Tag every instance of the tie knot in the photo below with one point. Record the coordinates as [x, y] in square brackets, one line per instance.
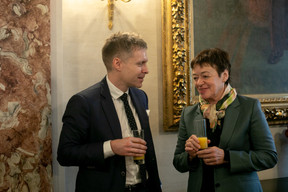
[124, 97]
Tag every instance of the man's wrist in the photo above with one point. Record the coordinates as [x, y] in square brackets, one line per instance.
[108, 152]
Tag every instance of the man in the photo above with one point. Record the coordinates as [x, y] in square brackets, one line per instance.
[96, 132]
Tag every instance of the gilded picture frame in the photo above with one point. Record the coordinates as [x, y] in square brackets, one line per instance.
[177, 51]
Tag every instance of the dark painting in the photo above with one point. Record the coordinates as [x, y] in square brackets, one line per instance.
[254, 33]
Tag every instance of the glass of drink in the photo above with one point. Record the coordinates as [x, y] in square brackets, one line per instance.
[140, 134]
[200, 132]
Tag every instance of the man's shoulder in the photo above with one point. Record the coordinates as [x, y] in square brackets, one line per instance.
[137, 91]
[90, 90]
[93, 90]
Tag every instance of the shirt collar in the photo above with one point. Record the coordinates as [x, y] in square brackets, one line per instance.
[114, 91]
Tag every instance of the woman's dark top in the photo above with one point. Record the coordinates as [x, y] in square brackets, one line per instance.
[208, 171]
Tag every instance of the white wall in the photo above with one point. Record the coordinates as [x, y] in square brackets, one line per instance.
[56, 89]
[281, 142]
[79, 28]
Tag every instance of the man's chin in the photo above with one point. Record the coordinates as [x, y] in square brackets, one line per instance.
[139, 85]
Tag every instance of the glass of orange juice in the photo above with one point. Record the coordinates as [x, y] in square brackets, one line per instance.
[139, 133]
[200, 132]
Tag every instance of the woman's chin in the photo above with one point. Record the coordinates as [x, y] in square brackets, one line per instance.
[203, 96]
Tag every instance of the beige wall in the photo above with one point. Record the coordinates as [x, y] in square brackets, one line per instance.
[85, 30]
[77, 38]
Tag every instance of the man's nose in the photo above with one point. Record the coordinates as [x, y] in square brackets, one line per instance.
[145, 69]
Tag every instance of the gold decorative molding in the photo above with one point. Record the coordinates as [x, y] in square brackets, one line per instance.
[275, 108]
[175, 58]
[111, 12]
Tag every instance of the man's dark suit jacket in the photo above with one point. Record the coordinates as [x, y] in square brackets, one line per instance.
[90, 119]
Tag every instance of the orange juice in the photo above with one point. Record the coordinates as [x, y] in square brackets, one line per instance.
[203, 142]
[139, 160]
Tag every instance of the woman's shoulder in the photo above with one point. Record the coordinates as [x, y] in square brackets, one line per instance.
[190, 108]
[244, 98]
[246, 102]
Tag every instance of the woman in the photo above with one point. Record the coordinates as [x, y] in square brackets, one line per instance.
[239, 140]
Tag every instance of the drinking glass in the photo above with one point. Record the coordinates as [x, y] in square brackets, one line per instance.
[140, 134]
[200, 132]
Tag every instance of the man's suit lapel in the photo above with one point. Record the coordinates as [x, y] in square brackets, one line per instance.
[231, 116]
[141, 111]
[109, 110]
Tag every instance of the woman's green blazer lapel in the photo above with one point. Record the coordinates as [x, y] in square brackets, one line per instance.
[231, 116]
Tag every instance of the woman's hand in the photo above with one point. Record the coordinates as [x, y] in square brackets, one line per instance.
[192, 146]
[212, 156]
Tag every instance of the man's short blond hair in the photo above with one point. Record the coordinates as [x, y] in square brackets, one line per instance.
[119, 44]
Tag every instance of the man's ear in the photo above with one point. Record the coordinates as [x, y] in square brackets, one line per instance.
[116, 63]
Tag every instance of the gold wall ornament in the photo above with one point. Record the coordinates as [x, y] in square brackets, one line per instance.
[274, 107]
[111, 12]
[175, 57]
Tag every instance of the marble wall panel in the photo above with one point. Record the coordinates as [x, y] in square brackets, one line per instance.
[25, 100]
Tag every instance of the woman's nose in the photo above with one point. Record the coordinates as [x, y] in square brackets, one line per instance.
[199, 82]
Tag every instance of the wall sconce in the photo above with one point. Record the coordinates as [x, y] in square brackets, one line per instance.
[111, 11]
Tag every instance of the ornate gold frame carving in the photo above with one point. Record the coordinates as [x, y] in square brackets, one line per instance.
[175, 58]
[275, 107]
[176, 73]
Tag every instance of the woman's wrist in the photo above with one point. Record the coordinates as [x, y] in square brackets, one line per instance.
[191, 156]
[226, 155]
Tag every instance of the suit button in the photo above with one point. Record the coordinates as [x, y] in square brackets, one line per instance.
[123, 173]
[217, 185]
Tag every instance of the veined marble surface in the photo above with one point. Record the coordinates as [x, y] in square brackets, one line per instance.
[25, 100]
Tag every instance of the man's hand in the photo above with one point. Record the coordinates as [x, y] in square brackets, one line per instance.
[129, 146]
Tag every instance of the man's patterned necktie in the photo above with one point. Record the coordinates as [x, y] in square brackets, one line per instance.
[133, 126]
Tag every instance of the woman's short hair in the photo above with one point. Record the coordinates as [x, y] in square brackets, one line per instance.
[216, 58]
